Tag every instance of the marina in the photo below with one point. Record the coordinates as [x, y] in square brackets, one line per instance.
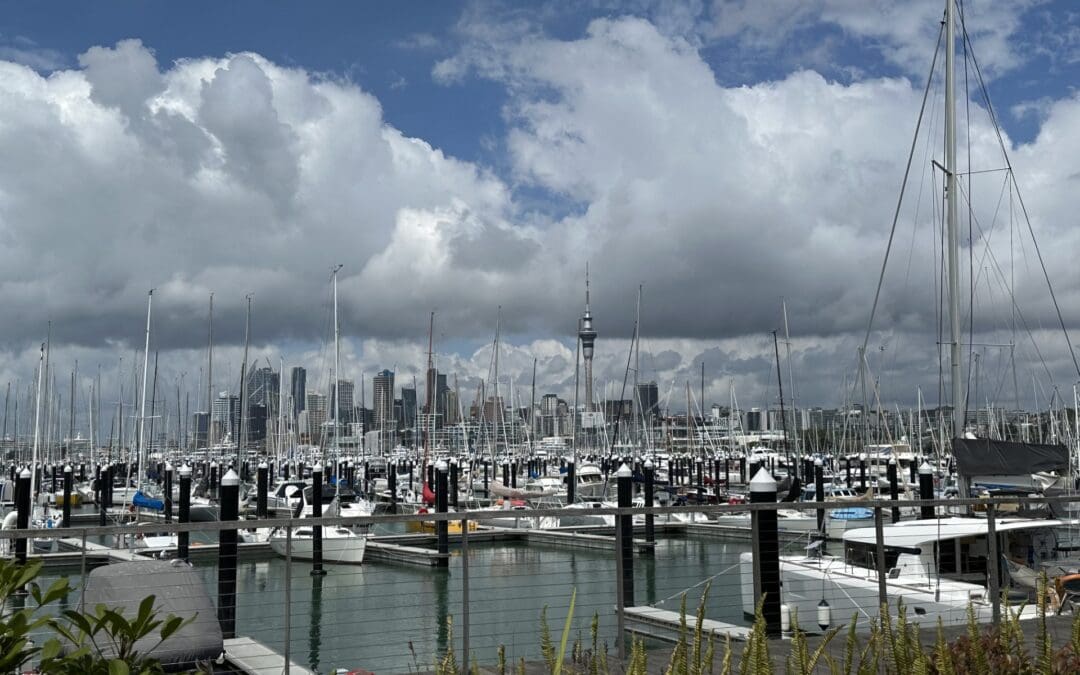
[540, 338]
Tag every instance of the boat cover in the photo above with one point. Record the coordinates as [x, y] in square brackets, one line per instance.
[178, 589]
[143, 502]
[985, 457]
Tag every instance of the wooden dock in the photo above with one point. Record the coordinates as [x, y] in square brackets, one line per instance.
[254, 658]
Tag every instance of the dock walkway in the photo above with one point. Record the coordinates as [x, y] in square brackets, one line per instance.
[662, 624]
[254, 658]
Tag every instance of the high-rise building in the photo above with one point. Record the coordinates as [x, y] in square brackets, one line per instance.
[226, 416]
[298, 387]
[200, 424]
[263, 384]
[408, 407]
[256, 423]
[315, 407]
[647, 403]
[345, 407]
[383, 389]
[453, 407]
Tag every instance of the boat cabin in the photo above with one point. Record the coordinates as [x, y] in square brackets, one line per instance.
[952, 548]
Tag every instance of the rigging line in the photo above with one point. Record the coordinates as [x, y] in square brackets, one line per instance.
[903, 188]
[997, 268]
[1019, 196]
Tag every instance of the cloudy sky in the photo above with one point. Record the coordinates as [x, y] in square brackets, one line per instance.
[465, 156]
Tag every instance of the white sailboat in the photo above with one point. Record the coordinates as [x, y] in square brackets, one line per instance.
[339, 543]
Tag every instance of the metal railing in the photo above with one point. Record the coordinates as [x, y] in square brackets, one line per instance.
[392, 614]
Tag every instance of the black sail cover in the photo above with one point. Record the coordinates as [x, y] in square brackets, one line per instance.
[986, 457]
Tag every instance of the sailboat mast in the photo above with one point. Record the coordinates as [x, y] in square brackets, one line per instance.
[142, 405]
[337, 371]
[241, 440]
[952, 220]
[37, 428]
[210, 379]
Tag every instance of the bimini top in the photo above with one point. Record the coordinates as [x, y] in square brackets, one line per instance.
[914, 533]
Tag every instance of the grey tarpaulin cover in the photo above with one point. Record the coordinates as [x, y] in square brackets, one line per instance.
[177, 589]
[985, 457]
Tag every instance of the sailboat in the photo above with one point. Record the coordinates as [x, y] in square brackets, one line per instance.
[339, 543]
[937, 587]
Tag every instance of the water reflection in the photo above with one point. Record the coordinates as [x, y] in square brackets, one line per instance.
[315, 625]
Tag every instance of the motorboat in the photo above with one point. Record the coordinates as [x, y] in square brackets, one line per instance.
[936, 567]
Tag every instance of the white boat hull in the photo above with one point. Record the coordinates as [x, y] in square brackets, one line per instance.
[336, 548]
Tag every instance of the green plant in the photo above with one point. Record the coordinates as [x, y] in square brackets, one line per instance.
[447, 665]
[17, 624]
[104, 640]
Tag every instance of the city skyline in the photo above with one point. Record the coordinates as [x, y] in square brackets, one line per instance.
[725, 167]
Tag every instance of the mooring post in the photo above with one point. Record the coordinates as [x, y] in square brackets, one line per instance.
[22, 518]
[183, 538]
[262, 485]
[442, 527]
[391, 486]
[454, 482]
[230, 508]
[214, 480]
[99, 493]
[819, 494]
[67, 495]
[571, 481]
[862, 473]
[316, 513]
[993, 563]
[766, 554]
[168, 491]
[624, 480]
[894, 488]
[926, 490]
[107, 487]
[650, 527]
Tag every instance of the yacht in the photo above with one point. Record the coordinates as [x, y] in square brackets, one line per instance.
[937, 567]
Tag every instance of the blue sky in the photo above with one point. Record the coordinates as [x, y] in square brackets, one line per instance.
[463, 156]
[390, 48]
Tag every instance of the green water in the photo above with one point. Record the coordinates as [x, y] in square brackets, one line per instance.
[388, 618]
[393, 618]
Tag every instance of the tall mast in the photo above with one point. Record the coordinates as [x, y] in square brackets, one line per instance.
[37, 428]
[431, 380]
[142, 405]
[337, 366]
[210, 379]
[532, 407]
[635, 403]
[241, 441]
[495, 401]
[791, 382]
[952, 220]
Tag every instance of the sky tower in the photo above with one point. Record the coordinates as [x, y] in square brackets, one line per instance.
[587, 336]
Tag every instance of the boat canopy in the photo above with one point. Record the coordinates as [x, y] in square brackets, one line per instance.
[985, 457]
[913, 534]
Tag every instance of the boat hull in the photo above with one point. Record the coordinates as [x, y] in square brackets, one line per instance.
[345, 550]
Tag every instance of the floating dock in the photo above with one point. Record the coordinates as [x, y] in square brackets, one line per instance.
[662, 624]
[252, 657]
